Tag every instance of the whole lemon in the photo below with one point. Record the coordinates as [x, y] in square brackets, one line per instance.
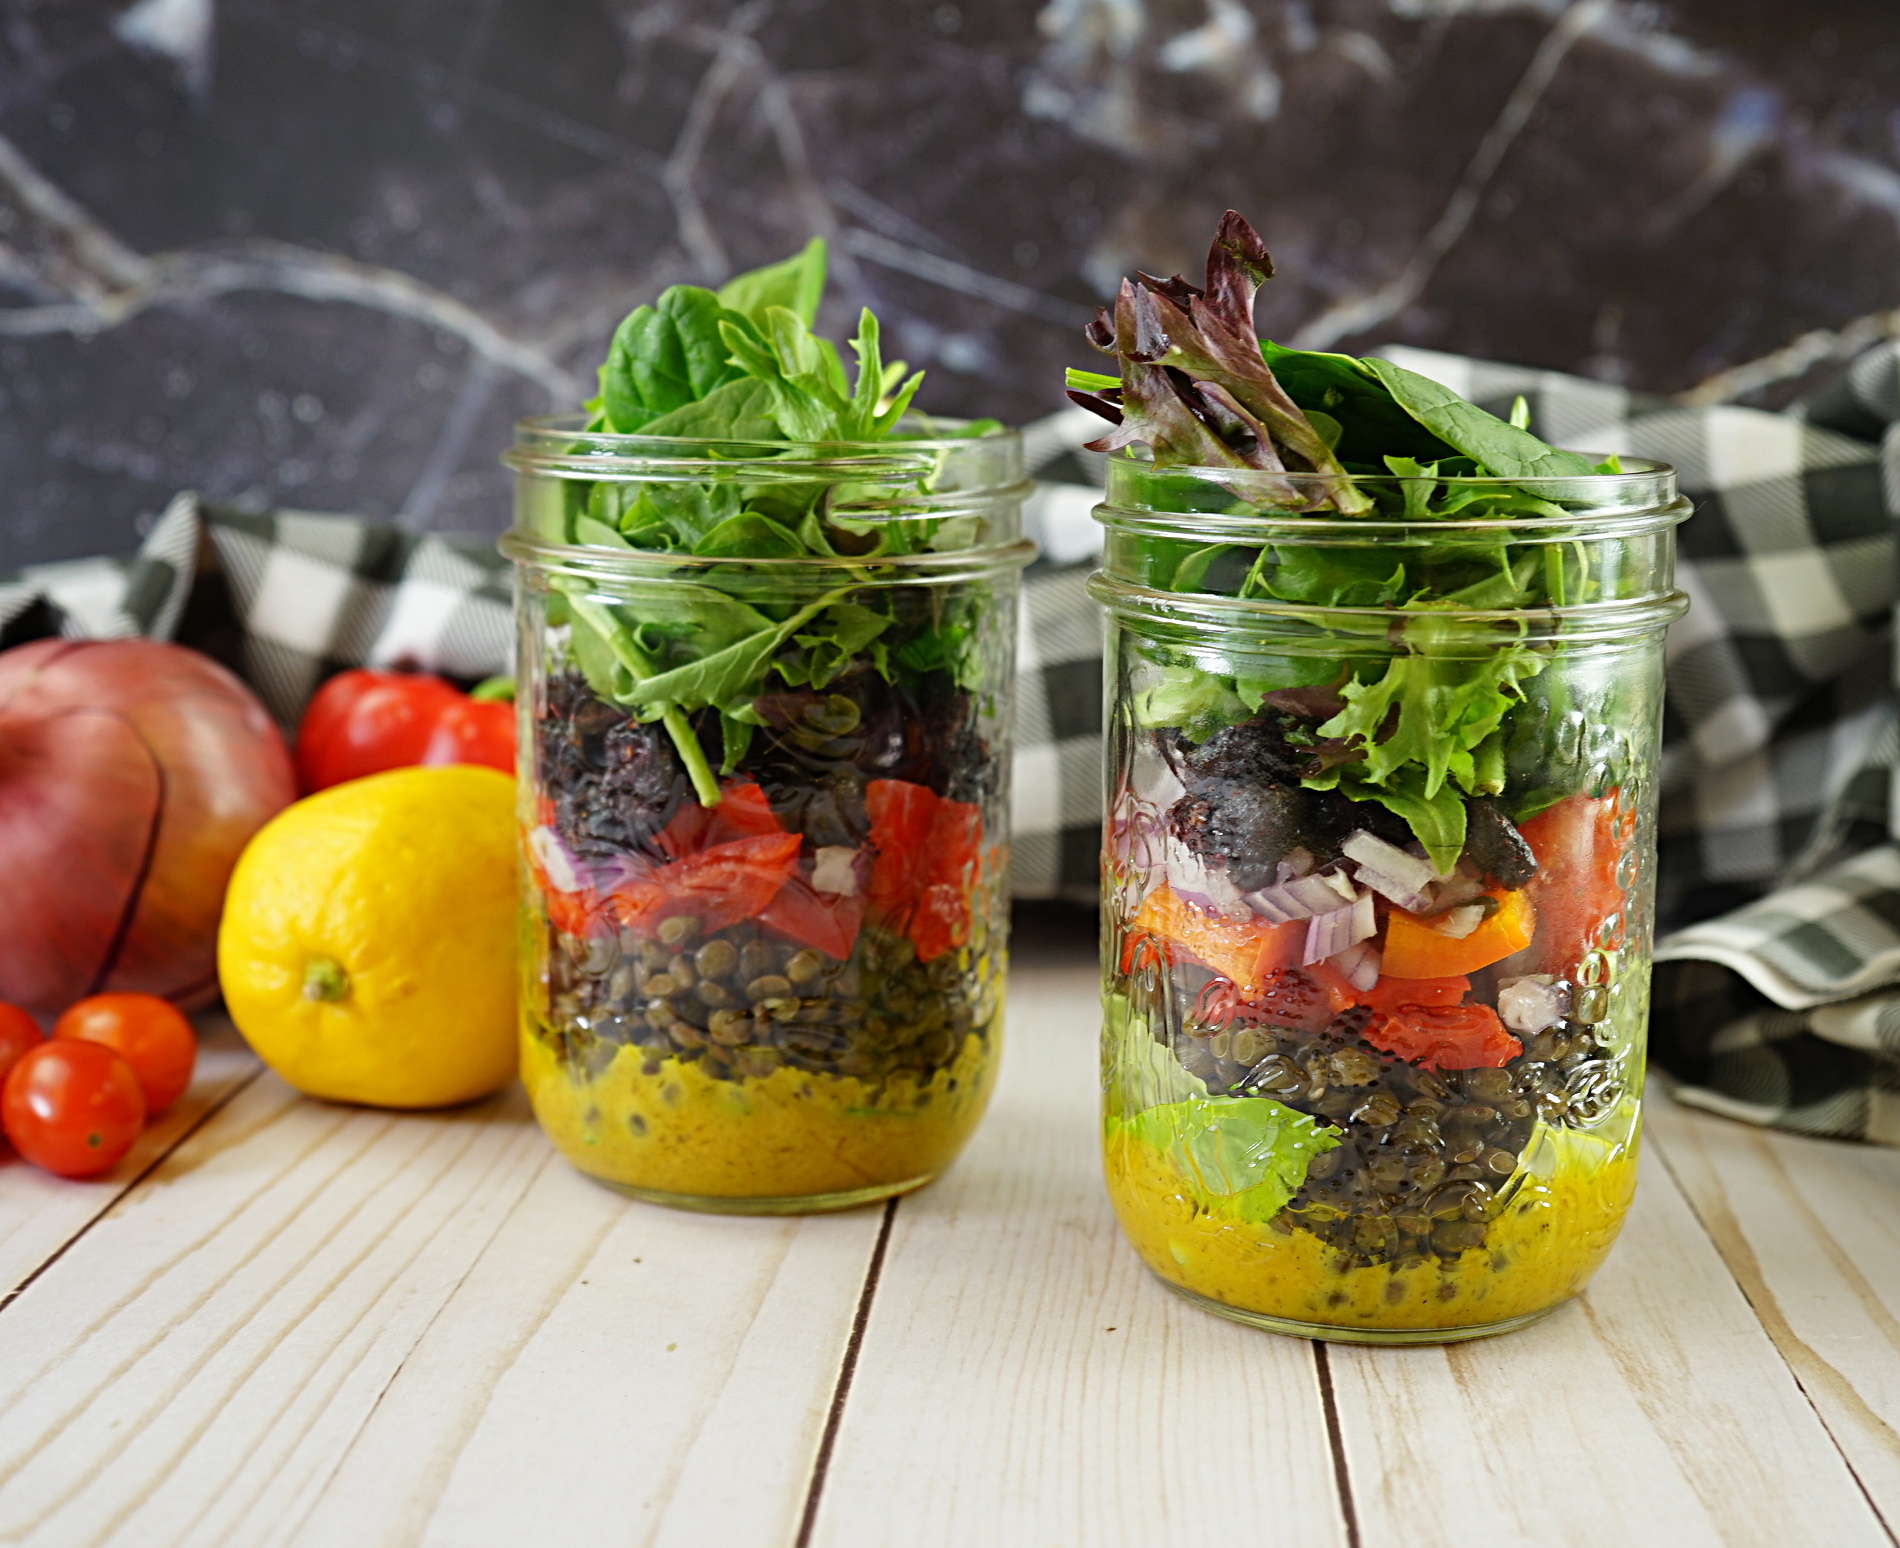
[367, 950]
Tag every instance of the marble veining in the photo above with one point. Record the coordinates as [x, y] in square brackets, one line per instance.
[322, 252]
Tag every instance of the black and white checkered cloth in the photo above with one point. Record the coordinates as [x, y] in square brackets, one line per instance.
[1777, 995]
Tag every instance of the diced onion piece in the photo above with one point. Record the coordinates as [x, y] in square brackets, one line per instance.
[1394, 892]
[1359, 965]
[1322, 893]
[1529, 1005]
[834, 870]
[1297, 863]
[1302, 897]
[1330, 933]
[1389, 860]
[1273, 905]
[1456, 889]
[1460, 921]
[555, 862]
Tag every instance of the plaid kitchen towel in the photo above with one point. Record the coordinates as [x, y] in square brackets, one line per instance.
[1777, 996]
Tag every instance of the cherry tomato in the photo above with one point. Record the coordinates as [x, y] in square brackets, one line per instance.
[474, 731]
[72, 1107]
[150, 1034]
[363, 722]
[19, 1035]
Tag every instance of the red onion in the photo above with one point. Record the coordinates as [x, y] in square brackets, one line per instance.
[131, 775]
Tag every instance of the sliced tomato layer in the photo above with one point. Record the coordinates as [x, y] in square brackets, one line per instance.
[742, 812]
[1444, 1037]
[718, 886]
[1579, 844]
[824, 920]
[1393, 994]
[928, 855]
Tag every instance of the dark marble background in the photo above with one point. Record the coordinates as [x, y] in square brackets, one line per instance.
[321, 254]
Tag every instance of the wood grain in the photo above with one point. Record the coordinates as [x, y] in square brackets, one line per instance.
[1653, 1410]
[1810, 1229]
[40, 1213]
[1023, 1380]
[611, 1373]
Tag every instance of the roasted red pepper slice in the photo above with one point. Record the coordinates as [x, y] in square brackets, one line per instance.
[925, 870]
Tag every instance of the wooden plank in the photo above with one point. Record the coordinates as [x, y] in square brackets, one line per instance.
[331, 1324]
[1811, 1231]
[40, 1213]
[609, 1373]
[1654, 1410]
[224, 1329]
[1023, 1380]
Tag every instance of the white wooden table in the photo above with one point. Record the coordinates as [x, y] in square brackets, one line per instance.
[286, 1322]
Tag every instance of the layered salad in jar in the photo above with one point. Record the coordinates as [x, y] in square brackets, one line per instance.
[1375, 926]
[766, 941]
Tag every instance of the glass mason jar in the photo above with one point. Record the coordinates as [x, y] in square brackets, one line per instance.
[763, 784]
[1377, 887]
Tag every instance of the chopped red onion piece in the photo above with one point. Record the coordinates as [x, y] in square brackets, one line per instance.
[1455, 889]
[1298, 862]
[1529, 1005]
[1360, 964]
[1330, 933]
[555, 862]
[1394, 892]
[1460, 921]
[1370, 850]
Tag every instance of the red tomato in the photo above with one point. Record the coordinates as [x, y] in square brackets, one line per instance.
[150, 1034]
[718, 886]
[19, 1035]
[1297, 997]
[474, 731]
[1578, 844]
[742, 812]
[1444, 1037]
[1392, 994]
[72, 1107]
[363, 722]
[926, 863]
[826, 920]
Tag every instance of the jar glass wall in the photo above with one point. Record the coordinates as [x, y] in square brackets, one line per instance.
[763, 806]
[1377, 889]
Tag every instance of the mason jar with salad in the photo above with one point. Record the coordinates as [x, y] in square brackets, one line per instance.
[1385, 688]
[767, 625]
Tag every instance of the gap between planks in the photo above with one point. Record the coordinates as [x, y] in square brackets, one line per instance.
[1830, 1394]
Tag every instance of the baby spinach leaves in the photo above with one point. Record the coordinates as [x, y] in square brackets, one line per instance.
[1499, 448]
[742, 365]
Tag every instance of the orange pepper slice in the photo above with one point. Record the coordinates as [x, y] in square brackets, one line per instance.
[1413, 949]
[1244, 950]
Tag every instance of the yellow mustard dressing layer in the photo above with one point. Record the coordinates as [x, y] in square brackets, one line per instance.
[1550, 1237]
[789, 1134]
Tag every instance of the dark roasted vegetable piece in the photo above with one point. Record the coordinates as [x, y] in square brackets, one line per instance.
[1496, 848]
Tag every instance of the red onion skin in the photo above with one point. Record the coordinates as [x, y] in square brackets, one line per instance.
[132, 774]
